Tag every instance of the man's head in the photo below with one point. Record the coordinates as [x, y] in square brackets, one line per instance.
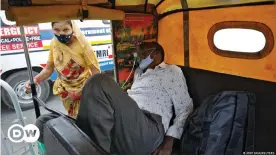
[150, 55]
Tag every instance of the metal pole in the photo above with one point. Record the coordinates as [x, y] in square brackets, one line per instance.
[114, 50]
[4, 142]
[14, 100]
[30, 71]
[17, 109]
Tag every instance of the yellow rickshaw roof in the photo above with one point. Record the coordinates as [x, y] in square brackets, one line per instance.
[30, 12]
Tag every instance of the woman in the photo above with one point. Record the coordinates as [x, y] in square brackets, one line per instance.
[72, 56]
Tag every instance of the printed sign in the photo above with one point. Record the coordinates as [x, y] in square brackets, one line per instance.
[103, 51]
[13, 31]
[135, 29]
[17, 133]
[11, 38]
[96, 31]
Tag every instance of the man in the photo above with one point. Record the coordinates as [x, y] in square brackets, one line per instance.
[137, 122]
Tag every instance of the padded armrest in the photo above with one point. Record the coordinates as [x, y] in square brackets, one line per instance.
[63, 137]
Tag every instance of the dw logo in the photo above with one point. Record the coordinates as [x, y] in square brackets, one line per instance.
[17, 133]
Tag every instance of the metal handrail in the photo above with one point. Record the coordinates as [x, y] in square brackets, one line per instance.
[4, 143]
[17, 109]
[14, 100]
[50, 109]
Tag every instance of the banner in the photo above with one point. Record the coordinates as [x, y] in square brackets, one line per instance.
[135, 29]
[11, 38]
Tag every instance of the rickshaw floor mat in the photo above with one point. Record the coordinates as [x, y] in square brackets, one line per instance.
[63, 137]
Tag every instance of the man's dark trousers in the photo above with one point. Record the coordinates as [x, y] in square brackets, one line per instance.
[113, 120]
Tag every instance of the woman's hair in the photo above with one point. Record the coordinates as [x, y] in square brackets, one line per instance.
[67, 21]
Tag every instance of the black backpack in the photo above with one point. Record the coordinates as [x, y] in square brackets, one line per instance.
[222, 125]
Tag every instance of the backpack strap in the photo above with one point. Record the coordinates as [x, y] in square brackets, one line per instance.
[250, 136]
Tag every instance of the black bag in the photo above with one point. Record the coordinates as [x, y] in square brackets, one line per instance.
[63, 137]
[222, 125]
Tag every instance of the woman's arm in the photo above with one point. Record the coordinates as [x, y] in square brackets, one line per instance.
[46, 72]
[94, 69]
[91, 60]
[43, 75]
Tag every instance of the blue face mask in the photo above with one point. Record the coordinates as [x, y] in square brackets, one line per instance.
[146, 62]
[63, 38]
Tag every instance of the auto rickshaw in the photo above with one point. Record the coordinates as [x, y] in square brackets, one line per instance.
[203, 37]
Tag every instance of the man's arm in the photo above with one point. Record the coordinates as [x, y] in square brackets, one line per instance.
[182, 103]
[175, 85]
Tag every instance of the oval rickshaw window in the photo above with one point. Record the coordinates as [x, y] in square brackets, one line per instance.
[106, 21]
[248, 40]
[239, 40]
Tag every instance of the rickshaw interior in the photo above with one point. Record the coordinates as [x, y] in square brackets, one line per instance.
[186, 29]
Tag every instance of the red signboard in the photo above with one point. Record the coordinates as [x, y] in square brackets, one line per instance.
[19, 46]
[11, 38]
[12, 31]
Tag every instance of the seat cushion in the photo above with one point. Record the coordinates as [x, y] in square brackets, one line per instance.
[63, 137]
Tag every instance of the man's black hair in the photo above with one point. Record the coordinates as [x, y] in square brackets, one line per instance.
[159, 48]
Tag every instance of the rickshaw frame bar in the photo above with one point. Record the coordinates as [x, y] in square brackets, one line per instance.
[213, 7]
[30, 71]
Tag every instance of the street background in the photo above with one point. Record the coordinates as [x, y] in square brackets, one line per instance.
[8, 117]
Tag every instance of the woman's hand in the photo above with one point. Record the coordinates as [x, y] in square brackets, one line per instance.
[28, 85]
[43, 75]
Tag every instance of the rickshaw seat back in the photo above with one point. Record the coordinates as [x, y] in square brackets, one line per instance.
[202, 84]
[63, 137]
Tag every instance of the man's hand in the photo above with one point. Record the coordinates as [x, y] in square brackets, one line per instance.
[166, 147]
